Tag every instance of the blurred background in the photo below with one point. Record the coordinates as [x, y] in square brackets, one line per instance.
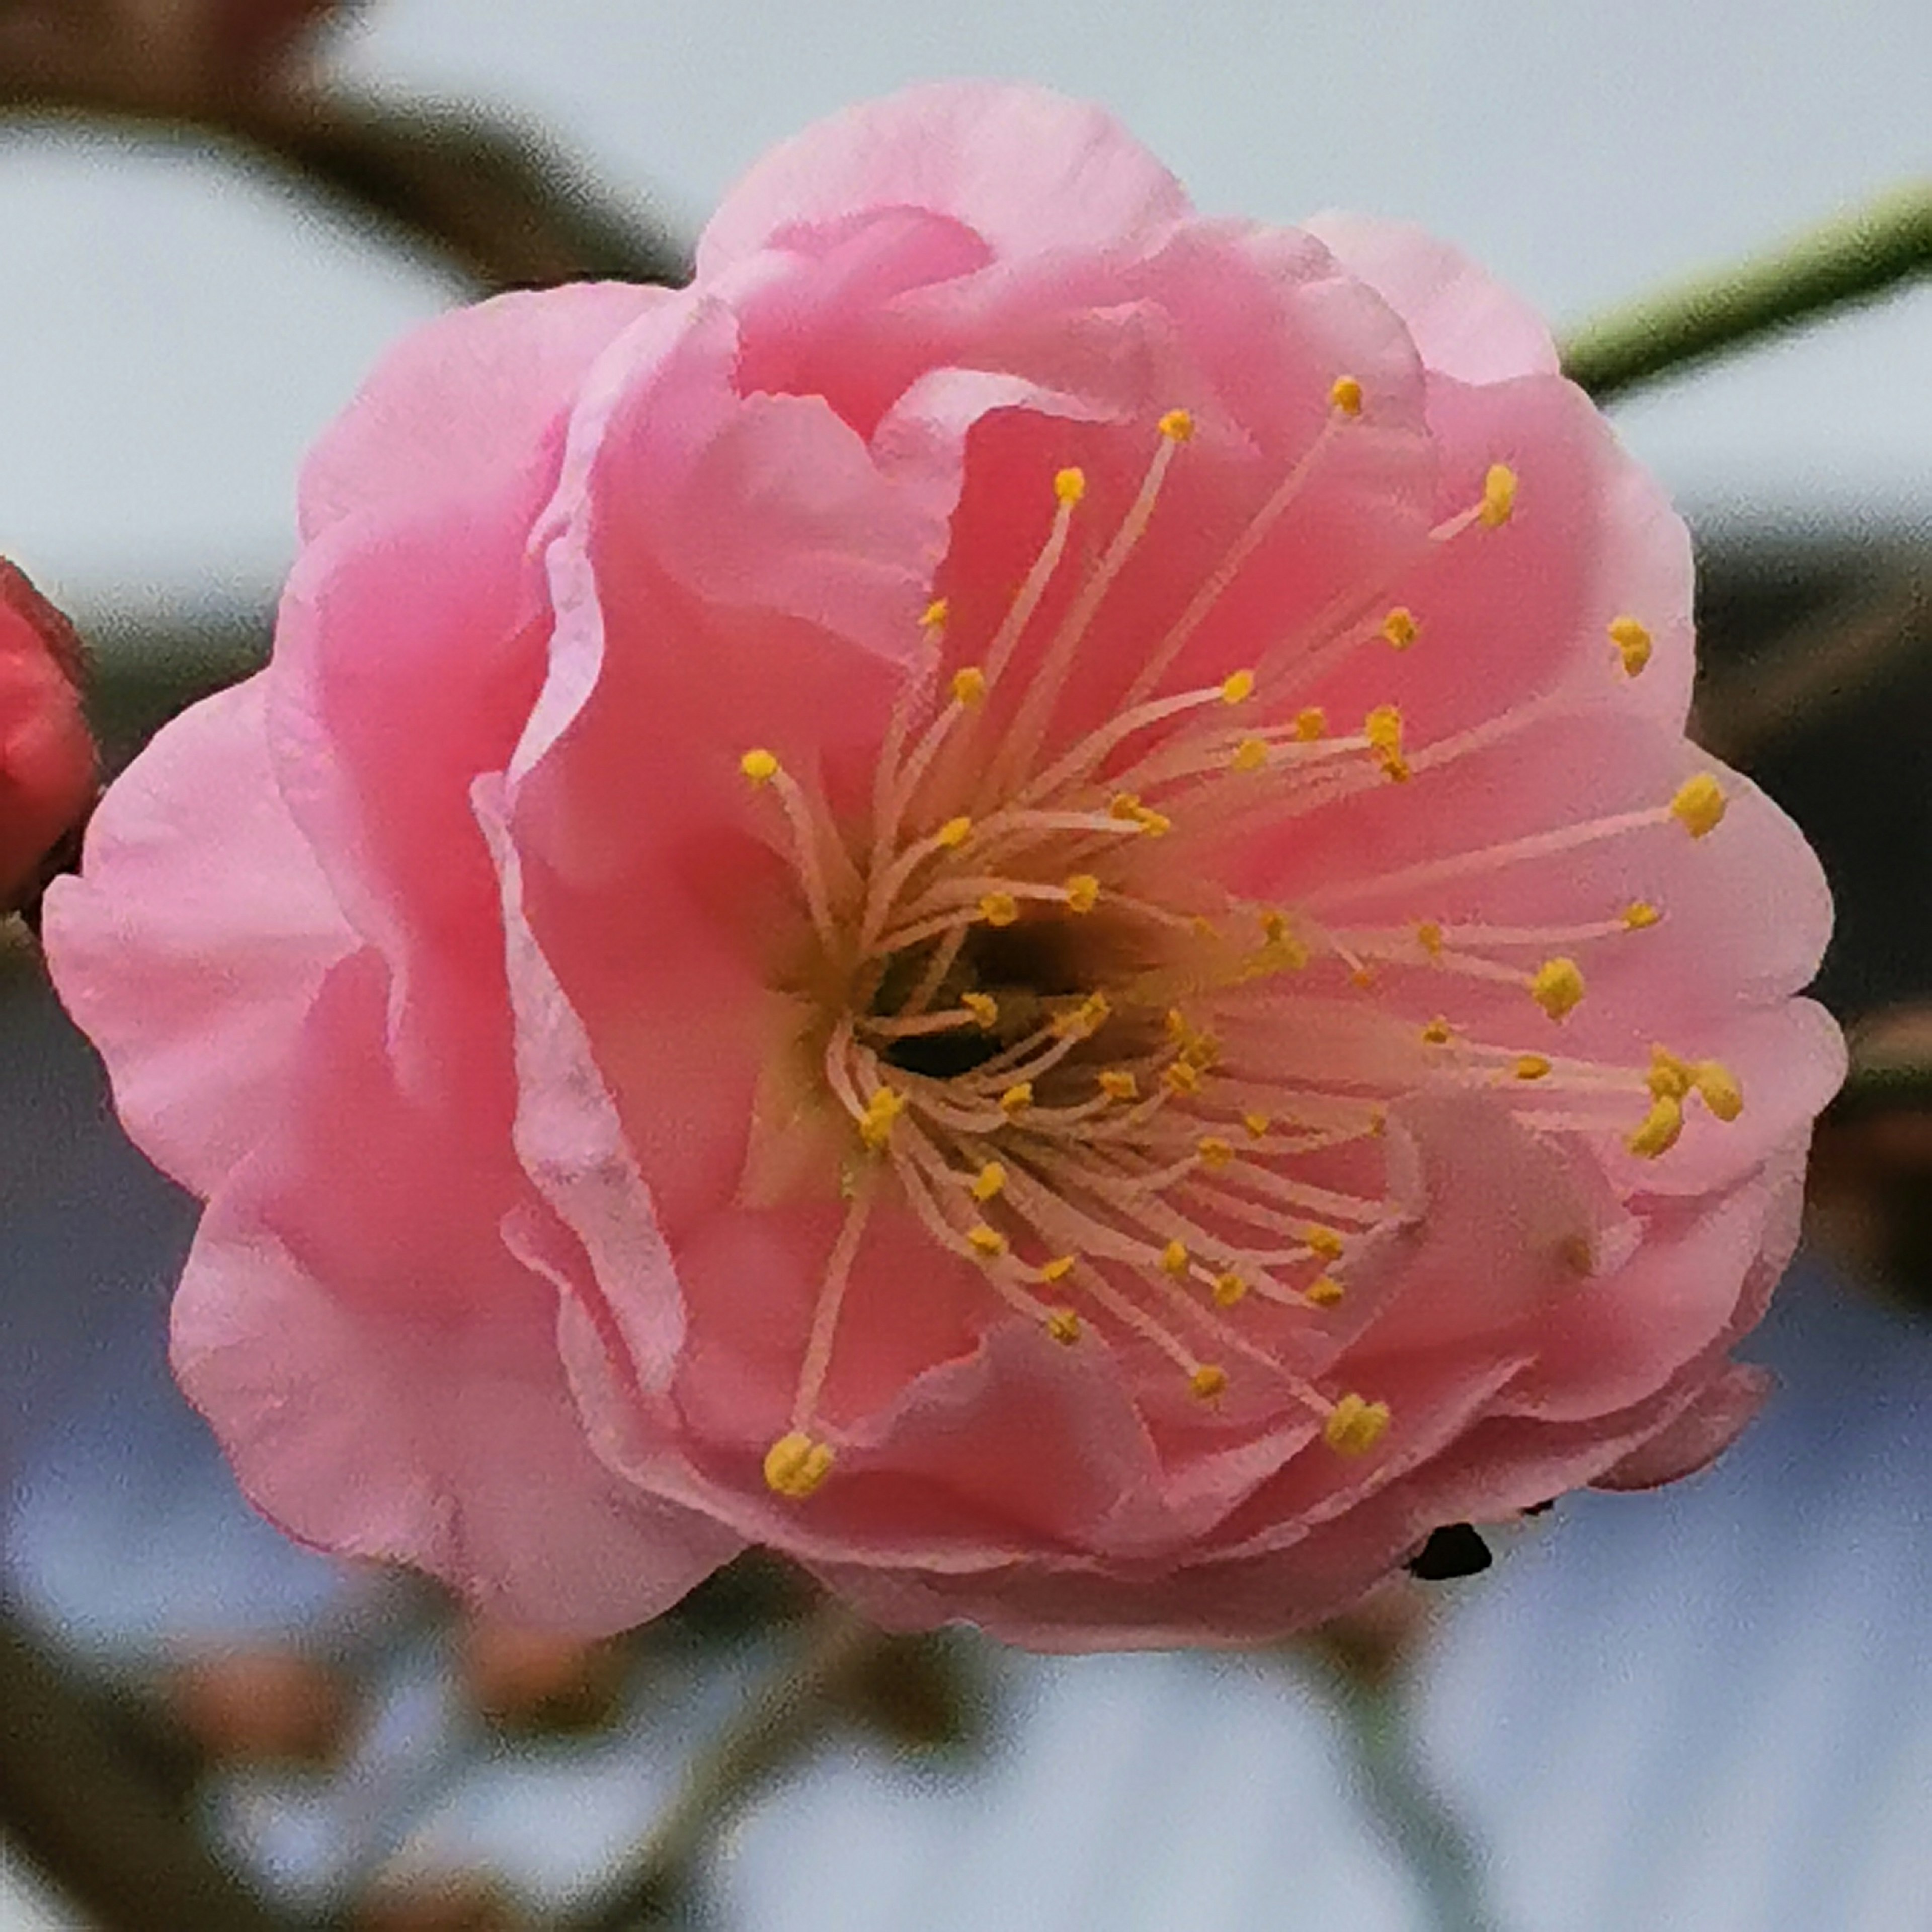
[1709, 1709]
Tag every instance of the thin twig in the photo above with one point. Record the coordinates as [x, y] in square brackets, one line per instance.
[93, 1821]
[478, 196]
[1877, 248]
[777, 1723]
[1416, 1822]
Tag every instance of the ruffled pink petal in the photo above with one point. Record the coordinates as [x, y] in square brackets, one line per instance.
[1701, 1434]
[949, 148]
[196, 993]
[380, 1366]
[1465, 323]
[478, 391]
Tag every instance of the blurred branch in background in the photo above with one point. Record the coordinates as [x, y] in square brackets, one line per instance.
[1865, 254]
[87, 1811]
[476, 195]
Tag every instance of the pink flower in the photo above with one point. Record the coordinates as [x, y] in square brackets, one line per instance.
[46, 756]
[1011, 898]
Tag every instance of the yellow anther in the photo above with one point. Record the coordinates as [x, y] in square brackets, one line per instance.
[1201, 1052]
[1530, 1066]
[1345, 393]
[875, 1124]
[969, 686]
[1363, 975]
[1064, 1325]
[1323, 1292]
[935, 615]
[1274, 926]
[954, 833]
[984, 1008]
[795, 1465]
[1174, 1258]
[1437, 1033]
[1311, 723]
[1118, 1084]
[1177, 425]
[1215, 1151]
[1632, 643]
[1669, 1078]
[1639, 913]
[1699, 803]
[1661, 1126]
[1178, 1025]
[1399, 628]
[1256, 1124]
[1498, 496]
[1377, 1119]
[1181, 1076]
[1557, 987]
[1202, 927]
[1083, 892]
[1382, 727]
[1126, 805]
[988, 1244]
[1429, 936]
[1207, 1381]
[1249, 755]
[1017, 1099]
[1083, 1021]
[999, 908]
[988, 1182]
[1229, 1288]
[1355, 1426]
[1070, 485]
[1058, 1269]
[1237, 687]
[1326, 1242]
[1717, 1087]
[759, 766]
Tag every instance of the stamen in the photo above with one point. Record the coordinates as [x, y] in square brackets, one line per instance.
[1557, 987]
[1639, 913]
[1323, 1292]
[1355, 1426]
[1498, 496]
[1208, 1381]
[987, 1184]
[795, 1465]
[1400, 628]
[1661, 1126]
[1699, 803]
[1346, 395]
[759, 766]
[1632, 643]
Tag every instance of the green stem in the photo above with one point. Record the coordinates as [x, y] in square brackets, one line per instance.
[1419, 1824]
[1881, 246]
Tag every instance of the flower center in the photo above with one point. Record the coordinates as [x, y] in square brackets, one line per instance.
[1090, 1069]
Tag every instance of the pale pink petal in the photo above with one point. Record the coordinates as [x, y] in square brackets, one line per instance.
[481, 390]
[948, 148]
[1703, 1432]
[194, 993]
[378, 1365]
[1466, 324]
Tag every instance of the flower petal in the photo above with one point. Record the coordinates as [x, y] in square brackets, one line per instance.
[950, 148]
[195, 993]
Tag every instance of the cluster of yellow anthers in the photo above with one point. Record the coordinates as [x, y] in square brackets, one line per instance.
[1059, 1044]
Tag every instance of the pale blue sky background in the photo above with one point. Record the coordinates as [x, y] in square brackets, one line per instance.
[171, 333]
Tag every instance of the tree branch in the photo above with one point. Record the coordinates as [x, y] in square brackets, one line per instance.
[1865, 254]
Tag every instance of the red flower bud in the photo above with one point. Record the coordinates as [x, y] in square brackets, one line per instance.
[46, 757]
